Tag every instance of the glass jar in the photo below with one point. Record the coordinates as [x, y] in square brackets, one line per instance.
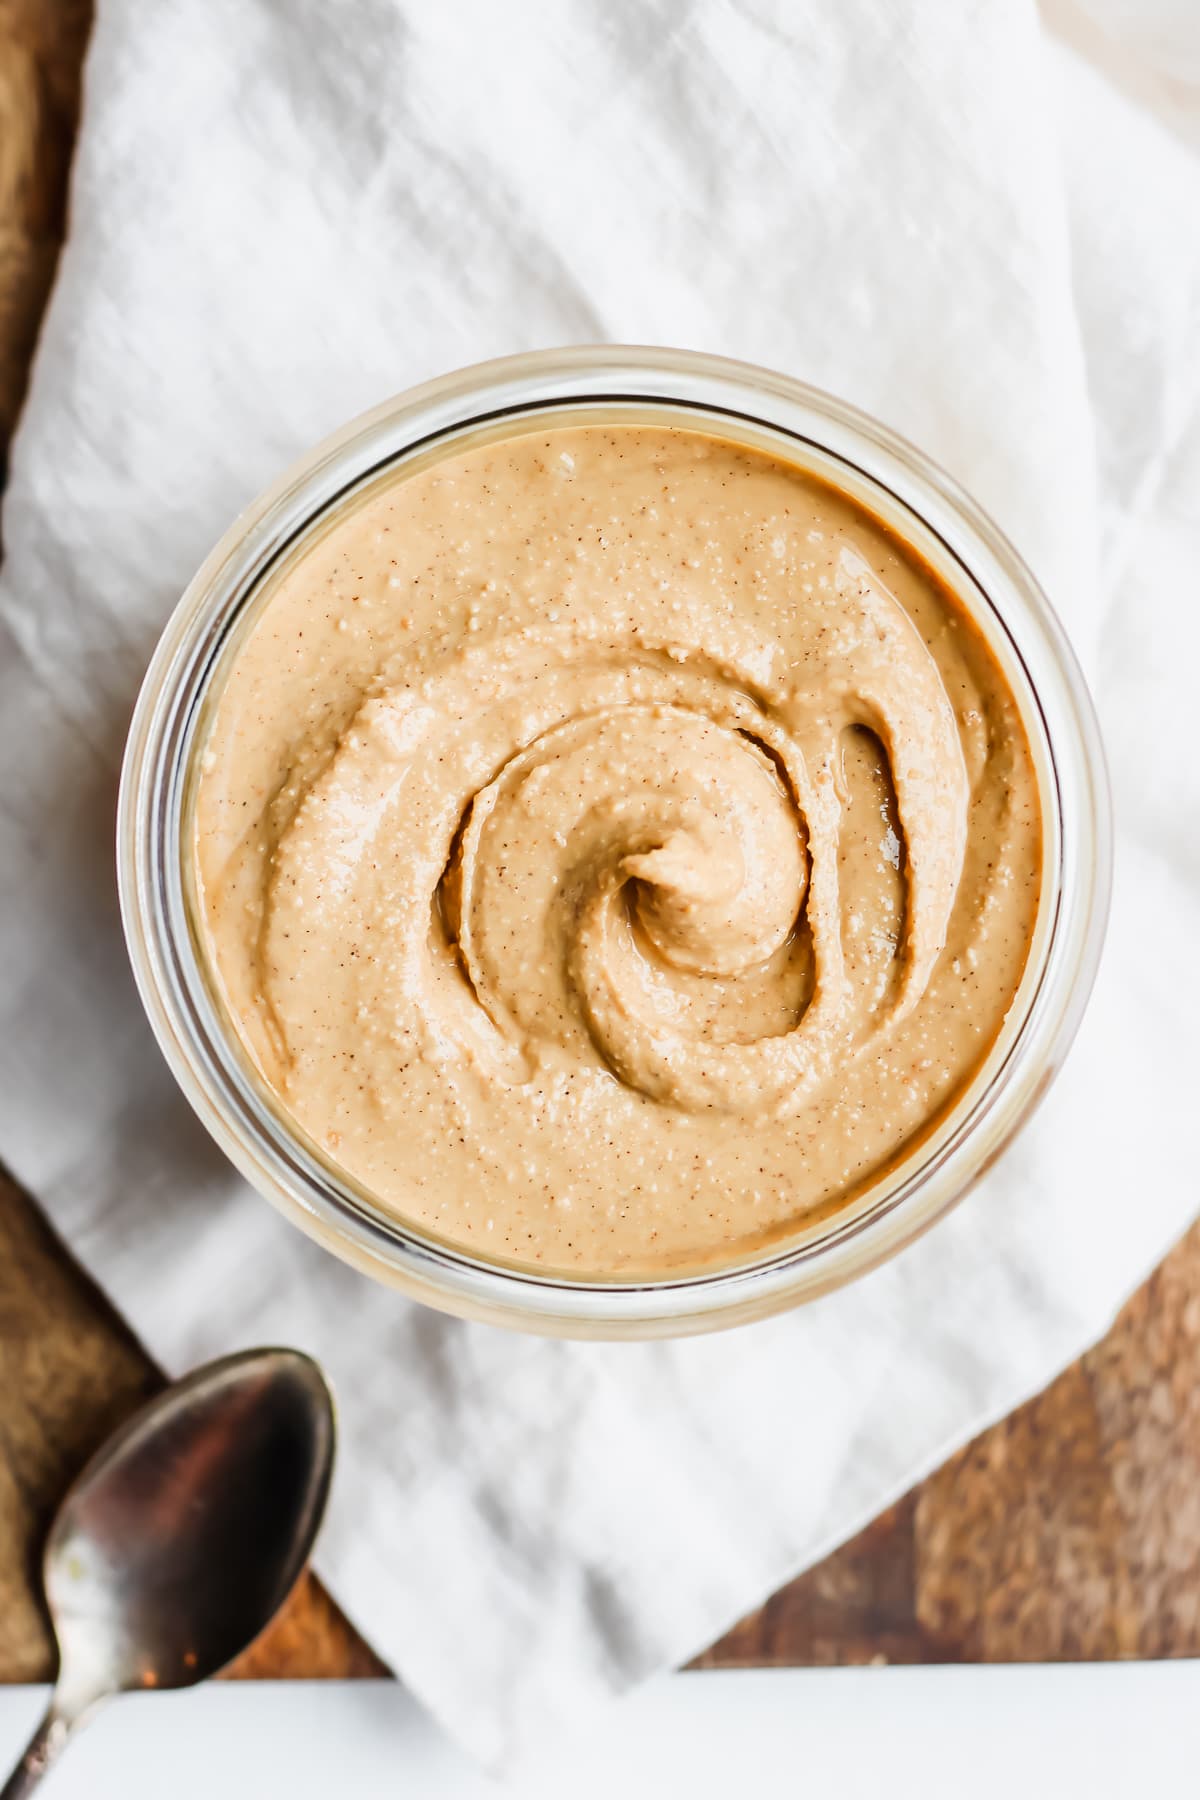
[744, 405]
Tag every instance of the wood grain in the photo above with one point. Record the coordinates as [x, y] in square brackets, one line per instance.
[1070, 1530]
[41, 56]
[70, 1371]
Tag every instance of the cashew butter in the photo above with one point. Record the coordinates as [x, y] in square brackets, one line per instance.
[614, 847]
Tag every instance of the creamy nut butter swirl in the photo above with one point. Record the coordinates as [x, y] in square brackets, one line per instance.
[614, 847]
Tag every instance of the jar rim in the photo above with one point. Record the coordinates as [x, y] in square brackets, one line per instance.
[750, 404]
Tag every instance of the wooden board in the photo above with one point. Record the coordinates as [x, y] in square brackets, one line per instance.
[1071, 1530]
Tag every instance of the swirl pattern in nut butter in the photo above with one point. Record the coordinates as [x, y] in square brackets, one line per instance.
[615, 847]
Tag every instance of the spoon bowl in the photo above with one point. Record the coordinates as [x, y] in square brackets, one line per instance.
[183, 1535]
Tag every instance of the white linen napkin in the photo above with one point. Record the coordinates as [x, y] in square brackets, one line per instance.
[283, 211]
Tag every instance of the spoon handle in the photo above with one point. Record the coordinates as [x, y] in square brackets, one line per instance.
[43, 1748]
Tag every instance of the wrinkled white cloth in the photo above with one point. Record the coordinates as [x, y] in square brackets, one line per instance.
[977, 223]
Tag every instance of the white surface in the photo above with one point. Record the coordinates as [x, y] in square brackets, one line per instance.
[851, 1734]
[282, 211]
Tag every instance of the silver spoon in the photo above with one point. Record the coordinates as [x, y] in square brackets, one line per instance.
[183, 1536]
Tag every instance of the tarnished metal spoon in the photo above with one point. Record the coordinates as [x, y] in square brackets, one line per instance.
[182, 1536]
